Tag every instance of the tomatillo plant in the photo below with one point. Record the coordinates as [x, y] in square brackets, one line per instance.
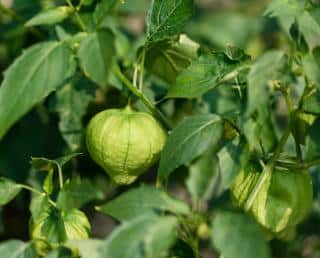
[193, 128]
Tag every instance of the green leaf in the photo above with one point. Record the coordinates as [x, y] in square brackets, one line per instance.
[143, 237]
[39, 205]
[167, 18]
[311, 65]
[204, 177]
[236, 235]
[51, 16]
[310, 29]
[71, 103]
[96, 55]
[17, 249]
[167, 59]
[230, 161]
[286, 12]
[8, 190]
[187, 141]
[135, 6]
[75, 193]
[86, 2]
[262, 72]
[89, 248]
[31, 78]
[142, 200]
[205, 73]
[311, 102]
[103, 9]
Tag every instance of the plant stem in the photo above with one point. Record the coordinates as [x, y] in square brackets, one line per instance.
[19, 19]
[60, 174]
[269, 167]
[78, 18]
[33, 190]
[142, 97]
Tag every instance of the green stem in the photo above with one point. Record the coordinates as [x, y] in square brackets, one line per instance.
[269, 167]
[142, 97]
[143, 56]
[60, 174]
[33, 190]
[19, 19]
[78, 18]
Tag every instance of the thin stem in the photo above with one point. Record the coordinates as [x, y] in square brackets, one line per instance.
[269, 167]
[142, 69]
[60, 174]
[142, 97]
[19, 19]
[78, 18]
[33, 190]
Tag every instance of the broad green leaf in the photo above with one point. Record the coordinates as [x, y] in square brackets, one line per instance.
[71, 103]
[204, 177]
[262, 72]
[8, 190]
[142, 200]
[167, 18]
[103, 9]
[17, 249]
[31, 78]
[96, 55]
[51, 16]
[187, 141]
[167, 59]
[285, 11]
[77, 192]
[236, 235]
[143, 237]
[204, 73]
[89, 248]
[310, 29]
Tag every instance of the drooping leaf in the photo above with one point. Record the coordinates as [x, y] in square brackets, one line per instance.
[8, 190]
[51, 16]
[17, 249]
[187, 141]
[35, 74]
[75, 193]
[204, 73]
[96, 55]
[167, 18]
[142, 200]
[310, 29]
[236, 235]
[266, 68]
[144, 235]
